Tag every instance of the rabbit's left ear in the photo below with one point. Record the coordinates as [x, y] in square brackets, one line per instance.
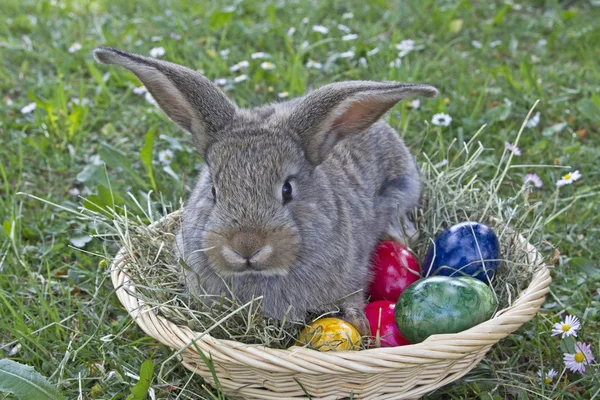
[186, 96]
[340, 110]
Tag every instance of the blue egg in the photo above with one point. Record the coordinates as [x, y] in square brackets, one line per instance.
[465, 249]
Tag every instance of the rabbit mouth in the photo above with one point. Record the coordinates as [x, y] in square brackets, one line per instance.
[252, 252]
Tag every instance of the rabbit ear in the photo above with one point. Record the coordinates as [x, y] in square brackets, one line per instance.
[187, 97]
[340, 110]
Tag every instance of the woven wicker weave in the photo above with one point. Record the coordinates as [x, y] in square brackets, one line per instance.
[406, 372]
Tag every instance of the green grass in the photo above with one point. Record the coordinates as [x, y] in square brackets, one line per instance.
[57, 309]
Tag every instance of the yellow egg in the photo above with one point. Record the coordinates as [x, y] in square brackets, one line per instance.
[329, 334]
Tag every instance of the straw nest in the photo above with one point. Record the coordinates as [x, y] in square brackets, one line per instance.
[232, 346]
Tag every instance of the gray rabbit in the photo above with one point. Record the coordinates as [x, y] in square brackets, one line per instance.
[294, 196]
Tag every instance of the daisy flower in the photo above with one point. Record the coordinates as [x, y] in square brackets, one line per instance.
[351, 36]
[140, 90]
[548, 376]
[347, 15]
[75, 47]
[496, 43]
[240, 78]
[407, 44]
[344, 28]
[347, 54]
[477, 44]
[156, 38]
[258, 55]
[533, 178]
[373, 52]
[568, 178]
[416, 103]
[157, 52]
[320, 29]
[513, 148]
[28, 108]
[396, 63]
[534, 121]
[283, 95]
[583, 356]
[291, 31]
[241, 65]
[165, 157]
[441, 119]
[568, 327]
[224, 53]
[313, 64]
[220, 81]
[267, 66]
[362, 62]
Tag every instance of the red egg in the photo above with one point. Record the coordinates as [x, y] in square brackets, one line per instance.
[381, 317]
[394, 269]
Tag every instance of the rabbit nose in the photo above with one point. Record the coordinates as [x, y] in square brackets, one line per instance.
[247, 248]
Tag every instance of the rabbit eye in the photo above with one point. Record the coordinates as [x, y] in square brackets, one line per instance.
[214, 194]
[286, 192]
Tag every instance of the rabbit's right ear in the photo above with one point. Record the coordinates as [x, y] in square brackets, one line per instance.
[344, 109]
[187, 97]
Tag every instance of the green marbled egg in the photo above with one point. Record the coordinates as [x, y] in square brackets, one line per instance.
[442, 304]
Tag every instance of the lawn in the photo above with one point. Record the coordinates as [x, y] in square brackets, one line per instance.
[70, 129]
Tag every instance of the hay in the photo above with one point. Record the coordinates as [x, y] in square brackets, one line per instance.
[452, 193]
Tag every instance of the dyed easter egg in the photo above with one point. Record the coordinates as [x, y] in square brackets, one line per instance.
[394, 269]
[383, 324]
[488, 299]
[465, 249]
[329, 334]
[441, 304]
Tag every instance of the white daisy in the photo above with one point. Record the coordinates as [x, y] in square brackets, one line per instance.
[406, 46]
[75, 47]
[583, 356]
[547, 376]
[305, 20]
[533, 178]
[165, 157]
[568, 327]
[241, 65]
[156, 38]
[477, 44]
[396, 63]
[403, 53]
[344, 28]
[320, 29]
[347, 15]
[416, 103]
[533, 121]
[351, 36]
[304, 45]
[568, 178]
[283, 95]
[224, 53]
[496, 43]
[220, 81]
[347, 54]
[28, 108]
[267, 66]
[313, 64]
[240, 78]
[511, 147]
[362, 62]
[291, 31]
[373, 51]
[441, 119]
[259, 55]
[140, 90]
[157, 52]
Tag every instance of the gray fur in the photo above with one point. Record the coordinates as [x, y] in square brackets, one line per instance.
[355, 180]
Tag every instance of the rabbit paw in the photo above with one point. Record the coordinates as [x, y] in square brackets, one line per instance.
[357, 318]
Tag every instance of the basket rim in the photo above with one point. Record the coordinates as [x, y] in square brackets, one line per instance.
[450, 346]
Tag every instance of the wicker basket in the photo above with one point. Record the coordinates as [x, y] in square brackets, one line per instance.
[407, 372]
